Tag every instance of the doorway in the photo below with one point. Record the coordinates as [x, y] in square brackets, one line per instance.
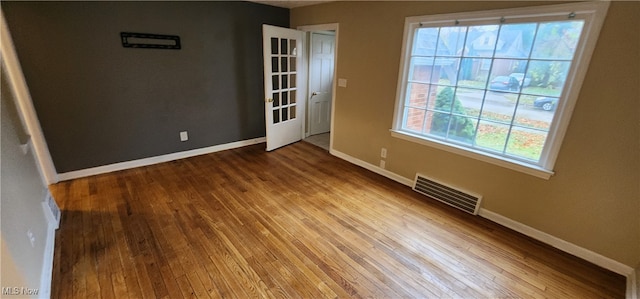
[321, 57]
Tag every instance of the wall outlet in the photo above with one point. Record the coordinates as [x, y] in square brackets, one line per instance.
[184, 136]
[342, 82]
[383, 152]
[383, 164]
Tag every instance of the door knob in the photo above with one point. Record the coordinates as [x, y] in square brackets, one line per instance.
[269, 100]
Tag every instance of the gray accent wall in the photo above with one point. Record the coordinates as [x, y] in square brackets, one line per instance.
[100, 103]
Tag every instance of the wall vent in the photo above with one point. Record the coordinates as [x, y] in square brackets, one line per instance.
[457, 198]
[53, 208]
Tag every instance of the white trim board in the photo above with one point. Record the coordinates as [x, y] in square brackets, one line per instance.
[558, 243]
[632, 285]
[585, 254]
[24, 104]
[157, 159]
[383, 172]
[335, 27]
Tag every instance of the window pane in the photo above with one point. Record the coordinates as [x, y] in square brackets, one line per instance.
[492, 135]
[499, 107]
[285, 98]
[482, 40]
[425, 42]
[293, 82]
[417, 94]
[285, 113]
[444, 100]
[285, 81]
[284, 61]
[293, 46]
[422, 69]
[451, 41]
[274, 45]
[501, 79]
[516, 40]
[275, 82]
[462, 129]
[283, 46]
[293, 64]
[557, 40]
[276, 99]
[274, 64]
[438, 124]
[526, 143]
[293, 96]
[547, 77]
[276, 116]
[446, 69]
[292, 112]
[470, 100]
[531, 112]
[413, 119]
[510, 67]
[473, 73]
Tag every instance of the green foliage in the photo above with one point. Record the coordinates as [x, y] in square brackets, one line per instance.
[556, 41]
[459, 127]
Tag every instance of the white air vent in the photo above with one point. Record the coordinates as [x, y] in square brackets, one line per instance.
[457, 198]
[53, 207]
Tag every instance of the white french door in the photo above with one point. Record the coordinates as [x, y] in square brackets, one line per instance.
[284, 110]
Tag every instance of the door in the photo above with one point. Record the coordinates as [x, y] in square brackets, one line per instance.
[320, 82]
[282, 49]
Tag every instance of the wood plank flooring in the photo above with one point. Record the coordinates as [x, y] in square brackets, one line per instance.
[293, 223]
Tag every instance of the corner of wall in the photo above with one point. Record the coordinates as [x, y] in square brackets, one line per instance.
[633, 284]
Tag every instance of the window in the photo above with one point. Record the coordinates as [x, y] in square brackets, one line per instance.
[496, 85]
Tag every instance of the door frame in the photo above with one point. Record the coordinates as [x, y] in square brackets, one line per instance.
[308, 29]
[24, 104]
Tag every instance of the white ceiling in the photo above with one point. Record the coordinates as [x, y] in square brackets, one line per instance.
[290, 3]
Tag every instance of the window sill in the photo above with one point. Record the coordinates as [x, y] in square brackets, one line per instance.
[482, 156]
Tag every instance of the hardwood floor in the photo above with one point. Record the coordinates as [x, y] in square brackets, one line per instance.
[293, 223]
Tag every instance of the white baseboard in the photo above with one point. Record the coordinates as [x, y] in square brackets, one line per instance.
[383, 172]
[558, 243]
[155, 160]
[590, 256]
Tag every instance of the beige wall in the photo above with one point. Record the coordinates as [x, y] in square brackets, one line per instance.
[592, 201]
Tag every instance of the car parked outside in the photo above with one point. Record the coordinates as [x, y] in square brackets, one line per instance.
[546, 103]
[504, 83]
[524, 81]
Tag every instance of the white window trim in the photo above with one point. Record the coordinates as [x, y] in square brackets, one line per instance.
[593, 14]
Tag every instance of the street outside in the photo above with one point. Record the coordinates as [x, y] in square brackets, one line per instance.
[497, 102]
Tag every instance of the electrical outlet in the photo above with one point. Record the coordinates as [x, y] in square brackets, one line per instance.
[383, 164]
[32, 238]
[184, 136]
[342, 82]
[383, 152]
